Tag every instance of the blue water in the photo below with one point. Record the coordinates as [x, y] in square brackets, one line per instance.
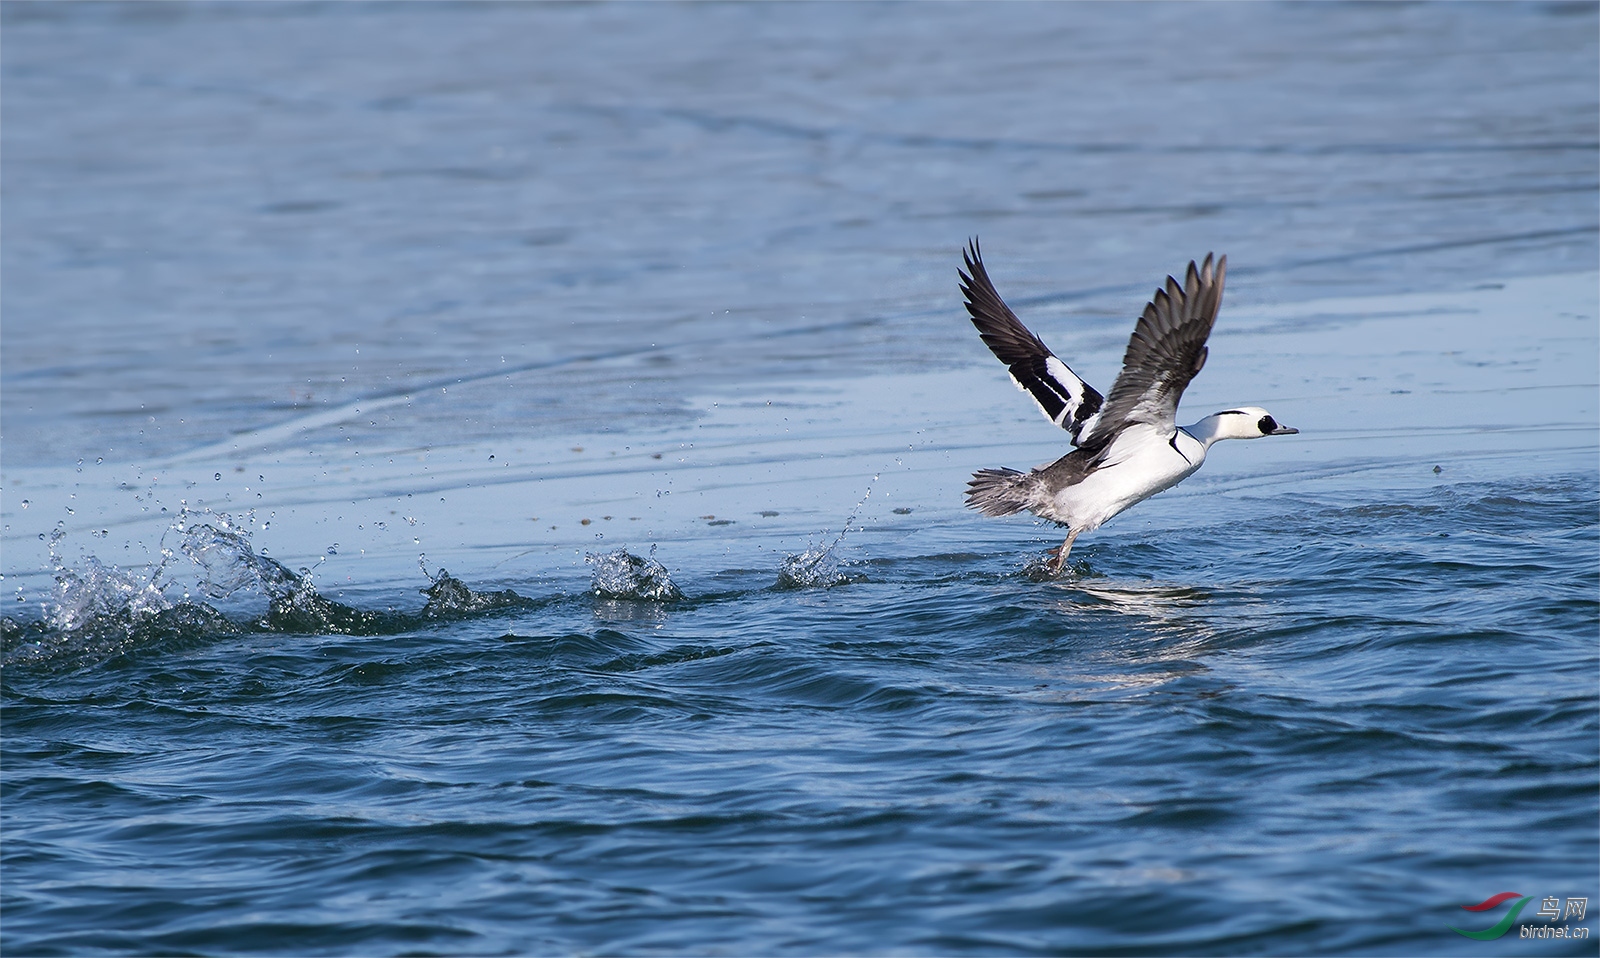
[306, 304]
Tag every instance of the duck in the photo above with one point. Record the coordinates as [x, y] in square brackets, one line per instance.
[1128, 445]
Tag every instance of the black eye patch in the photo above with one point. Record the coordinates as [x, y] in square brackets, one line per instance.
[1267, 425]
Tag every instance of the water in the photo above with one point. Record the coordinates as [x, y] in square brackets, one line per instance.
[642, 322]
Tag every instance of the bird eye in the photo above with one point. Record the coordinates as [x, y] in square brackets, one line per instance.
[1267, 425]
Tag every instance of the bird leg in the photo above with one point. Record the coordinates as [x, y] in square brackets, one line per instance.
[1060, 561]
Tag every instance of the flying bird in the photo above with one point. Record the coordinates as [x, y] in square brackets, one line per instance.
[1129, 445]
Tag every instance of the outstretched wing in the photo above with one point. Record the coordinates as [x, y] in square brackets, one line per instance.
[1064, 399]
[1167, 350]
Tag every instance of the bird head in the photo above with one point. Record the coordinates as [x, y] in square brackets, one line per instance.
[1248, 422]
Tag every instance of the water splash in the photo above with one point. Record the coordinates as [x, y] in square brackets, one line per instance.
[229, 563]
[813, 568]
[449, 596]
[1042, 568]
[97, 611]
[820, 567]
[105, 635]
[622, 575]
[221, 547]
[96, 590]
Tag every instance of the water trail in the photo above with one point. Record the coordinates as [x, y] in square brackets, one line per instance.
[97, 610]
[820, 567]
[622, 575]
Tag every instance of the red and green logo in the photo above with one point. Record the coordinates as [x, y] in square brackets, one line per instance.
[1503, 925]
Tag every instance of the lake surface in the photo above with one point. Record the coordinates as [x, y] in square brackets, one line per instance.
[642, 322]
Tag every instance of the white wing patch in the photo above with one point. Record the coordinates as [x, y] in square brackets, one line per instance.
[1061, 396]
[1070, 385]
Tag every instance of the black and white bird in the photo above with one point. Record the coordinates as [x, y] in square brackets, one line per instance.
[1130, 446]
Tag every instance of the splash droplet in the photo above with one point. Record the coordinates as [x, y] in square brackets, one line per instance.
[621, 575]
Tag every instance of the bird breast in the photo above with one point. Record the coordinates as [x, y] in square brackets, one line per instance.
[1141, 462]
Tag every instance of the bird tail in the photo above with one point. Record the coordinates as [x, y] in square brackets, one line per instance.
[998, 492]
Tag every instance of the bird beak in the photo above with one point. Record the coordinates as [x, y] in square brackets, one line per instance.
[1284, 431]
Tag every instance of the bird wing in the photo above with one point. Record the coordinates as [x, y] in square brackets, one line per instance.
[1064, 399]
[1167, 349]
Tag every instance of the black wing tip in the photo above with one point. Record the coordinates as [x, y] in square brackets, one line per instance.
[972, 256]
[979, 292]
[1208, 272]
[1211, 269]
